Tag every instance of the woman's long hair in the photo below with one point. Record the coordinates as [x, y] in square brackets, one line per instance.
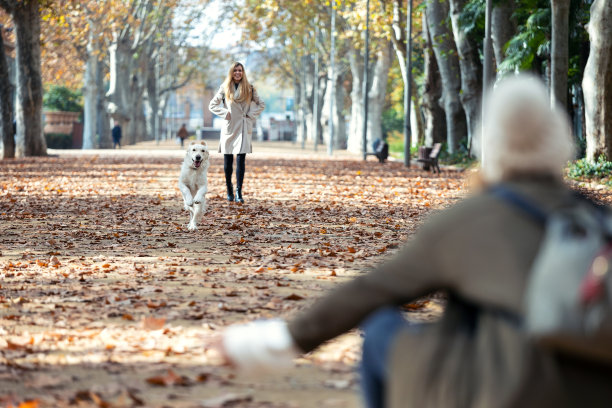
[245, 91]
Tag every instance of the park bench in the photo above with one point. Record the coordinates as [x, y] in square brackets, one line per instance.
[429, 157]
[381, 152]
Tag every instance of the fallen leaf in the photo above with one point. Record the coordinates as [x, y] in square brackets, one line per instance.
[153, 323]
[293, 296]
[170, 378]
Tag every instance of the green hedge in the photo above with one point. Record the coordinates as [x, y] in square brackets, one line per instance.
[58, 141]
[61, 98]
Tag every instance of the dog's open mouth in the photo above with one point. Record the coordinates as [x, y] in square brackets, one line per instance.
[197, 163]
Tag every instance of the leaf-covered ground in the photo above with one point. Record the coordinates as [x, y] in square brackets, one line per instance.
[106, 299]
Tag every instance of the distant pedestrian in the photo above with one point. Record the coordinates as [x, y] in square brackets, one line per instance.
[182, 134]
[116, 133]
[237, 102]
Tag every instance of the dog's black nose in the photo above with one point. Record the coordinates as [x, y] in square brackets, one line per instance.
[198, 157]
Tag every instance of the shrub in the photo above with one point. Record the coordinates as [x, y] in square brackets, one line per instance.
[600, 169]
[58, 140]
[60, 98]
[460, 157]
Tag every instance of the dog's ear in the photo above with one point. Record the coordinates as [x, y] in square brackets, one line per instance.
[192, 143]
[204, 143]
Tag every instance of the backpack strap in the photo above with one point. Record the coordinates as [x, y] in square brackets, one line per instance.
[520, 202]
[538, 214]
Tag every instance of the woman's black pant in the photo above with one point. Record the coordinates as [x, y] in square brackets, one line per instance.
[228, 164]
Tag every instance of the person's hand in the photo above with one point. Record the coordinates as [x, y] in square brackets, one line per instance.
[216, 351]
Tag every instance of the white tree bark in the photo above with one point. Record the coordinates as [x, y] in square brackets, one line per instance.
[126, 91]
[338, 117]
[377, 90]
[117, 95]
[597, 82]
[355, 136]
[90, 93]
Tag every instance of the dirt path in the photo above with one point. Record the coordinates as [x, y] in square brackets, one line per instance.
[105, 296]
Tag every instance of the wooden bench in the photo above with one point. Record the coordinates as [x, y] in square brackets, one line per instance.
[430, 159]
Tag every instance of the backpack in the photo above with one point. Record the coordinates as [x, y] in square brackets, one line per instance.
[568, 298]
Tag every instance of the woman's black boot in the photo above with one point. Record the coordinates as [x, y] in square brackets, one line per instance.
[240, 159]
[228, 163]
[239, 198]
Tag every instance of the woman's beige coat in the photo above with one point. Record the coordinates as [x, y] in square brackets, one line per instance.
[239, 120]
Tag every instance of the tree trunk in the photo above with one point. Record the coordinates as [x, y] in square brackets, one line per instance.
[435, 121]
[102, 118]
[152, 102]
[90, 92]
[306, 99]
[503, 27]
[559, 52]
[6, 106]
[30, 140]
[597, 82]
[417, 127]
[355, 136]
[448, 64]
[338, 117]
[120, 85]
[398, 39]
[471, 70]
[321, 88]
[378, 92]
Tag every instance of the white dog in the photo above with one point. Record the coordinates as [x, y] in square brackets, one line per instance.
[193, 181]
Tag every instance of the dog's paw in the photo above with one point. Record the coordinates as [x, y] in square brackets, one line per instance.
[188, 203]
[197, 201]
[192, 227]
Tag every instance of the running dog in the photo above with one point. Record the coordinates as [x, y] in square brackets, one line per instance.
[193, 181]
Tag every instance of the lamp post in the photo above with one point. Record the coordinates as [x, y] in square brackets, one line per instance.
[332, 93]
[408, 85]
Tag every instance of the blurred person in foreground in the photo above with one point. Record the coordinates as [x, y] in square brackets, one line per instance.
[480, 253]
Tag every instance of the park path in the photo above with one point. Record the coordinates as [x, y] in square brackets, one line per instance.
[106, 299]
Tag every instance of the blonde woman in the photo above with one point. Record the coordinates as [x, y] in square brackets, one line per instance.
[237, 102]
